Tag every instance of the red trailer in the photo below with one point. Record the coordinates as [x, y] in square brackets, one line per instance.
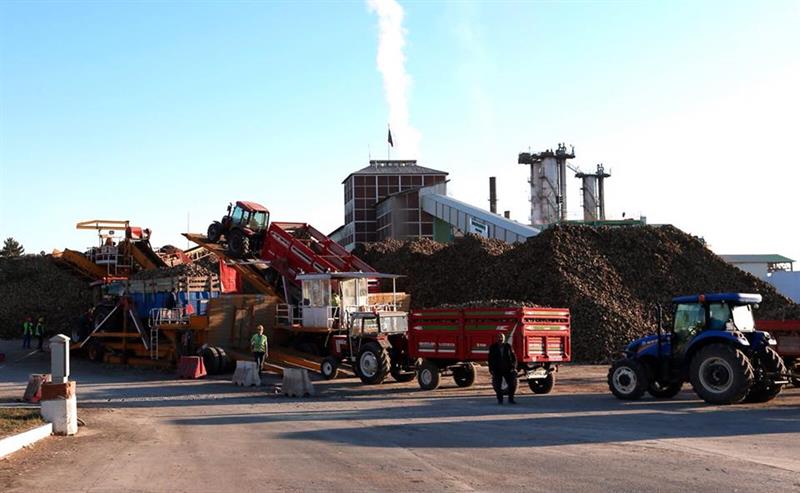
[452, 341]
[787, 333]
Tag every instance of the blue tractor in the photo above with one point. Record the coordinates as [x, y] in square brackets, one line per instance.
[713, 344]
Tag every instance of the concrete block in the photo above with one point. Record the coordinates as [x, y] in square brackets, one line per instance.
[9, 445]
[296, 383]
[63, 414]
[246, 374]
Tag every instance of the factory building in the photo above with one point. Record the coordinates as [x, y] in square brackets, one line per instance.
[381, 201]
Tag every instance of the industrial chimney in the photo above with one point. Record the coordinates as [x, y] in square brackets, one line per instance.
[493, 194]
[548, 181]
[592, 188]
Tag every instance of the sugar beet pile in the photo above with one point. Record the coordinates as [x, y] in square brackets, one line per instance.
[610, 278]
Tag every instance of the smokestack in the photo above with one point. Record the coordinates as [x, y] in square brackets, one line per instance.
[493, 194]
[507, 214]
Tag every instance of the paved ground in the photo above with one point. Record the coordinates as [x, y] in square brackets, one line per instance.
[148, 432]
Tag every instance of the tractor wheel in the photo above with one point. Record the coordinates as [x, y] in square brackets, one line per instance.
[627, 379]
[223, 360]
[329, 368]
[667, 390]
[95, 351]
[210, 357]
[543, 385]
[428, 375]
[464, 376]
[373, 364]
[721, 374]
[766, 361]
[401, 375]
[238, 244]
[214, 232]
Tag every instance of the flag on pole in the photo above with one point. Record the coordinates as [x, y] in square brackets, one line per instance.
[391, 143]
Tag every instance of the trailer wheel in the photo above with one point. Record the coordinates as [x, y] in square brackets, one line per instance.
[373, 364]
[721, 374]
[214, 232]
[627, 379]
[766, 361]
[543, 385]
[464, 376]
[95, 351]
[329, 368]
[428, 375]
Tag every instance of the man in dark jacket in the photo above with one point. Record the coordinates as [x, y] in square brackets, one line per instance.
[503, 365]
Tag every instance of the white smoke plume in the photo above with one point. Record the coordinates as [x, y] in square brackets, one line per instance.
[396, 81]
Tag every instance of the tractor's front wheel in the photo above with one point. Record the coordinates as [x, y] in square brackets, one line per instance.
[721, 374]
[627, 379]
[329, 368]
[664, 390]
[768, 365]
[214, 232]
[373, 364]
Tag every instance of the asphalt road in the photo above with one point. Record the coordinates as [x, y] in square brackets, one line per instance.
[149, 432]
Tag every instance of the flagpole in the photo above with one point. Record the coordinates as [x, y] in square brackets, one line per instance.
[388, 145]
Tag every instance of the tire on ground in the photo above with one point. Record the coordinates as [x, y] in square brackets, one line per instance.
[373, 364]
[329, 368]
[763, 390]
[543, 385]
[661, 390]
[95, 351]
[428, 375]
[628, 379]
[210, 357]
[464, 376]
[721, 374]
[224, 361]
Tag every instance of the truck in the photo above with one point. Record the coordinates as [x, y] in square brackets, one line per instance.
[451, 341]
[713, 344]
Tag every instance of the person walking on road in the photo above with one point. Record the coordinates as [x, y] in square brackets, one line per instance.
[503, 366]
[27, 332]
[258, 345]
[40, 333]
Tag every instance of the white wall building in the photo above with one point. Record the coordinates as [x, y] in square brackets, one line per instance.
[772, 268]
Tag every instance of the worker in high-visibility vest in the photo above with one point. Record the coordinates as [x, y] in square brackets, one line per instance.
[39, 331]
[27, 332]
[258, 345]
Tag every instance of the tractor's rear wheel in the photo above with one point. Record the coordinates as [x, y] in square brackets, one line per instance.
[428, 375]
[661, 390]
[766, 362]
[721, 374]
[214, 232]
[238, 244]
[373, 364]
[628, 379]
[542, 385]
[329, 368]
[464, 376]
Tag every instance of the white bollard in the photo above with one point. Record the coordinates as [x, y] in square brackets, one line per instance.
[296, 383]
[59, 404]
[246, 374]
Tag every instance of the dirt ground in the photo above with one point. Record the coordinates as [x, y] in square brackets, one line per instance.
[146, 431]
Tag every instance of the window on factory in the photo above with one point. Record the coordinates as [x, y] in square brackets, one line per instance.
[360, 181]
[427, 229]
[405, 181]
[416, 180]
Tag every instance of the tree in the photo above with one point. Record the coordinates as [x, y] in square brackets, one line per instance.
[11, 248]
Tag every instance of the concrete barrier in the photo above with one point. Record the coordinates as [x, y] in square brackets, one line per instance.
[246, 374]
[296, 383]
[9, 445]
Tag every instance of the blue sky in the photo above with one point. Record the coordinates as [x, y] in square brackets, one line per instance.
[151, 110]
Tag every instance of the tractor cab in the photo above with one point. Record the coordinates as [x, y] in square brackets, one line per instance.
[247, 215]
[706, 314]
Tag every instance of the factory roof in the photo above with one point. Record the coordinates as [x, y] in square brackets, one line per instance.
[395, 167]
[770, 258]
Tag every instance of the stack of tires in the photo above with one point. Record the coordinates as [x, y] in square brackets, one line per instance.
[215, 359]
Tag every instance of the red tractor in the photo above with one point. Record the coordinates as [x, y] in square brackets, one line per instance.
[243, 228]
